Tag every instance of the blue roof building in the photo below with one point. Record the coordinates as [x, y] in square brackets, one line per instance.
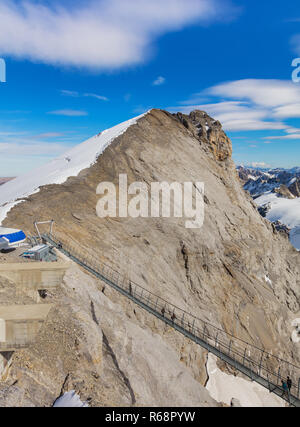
[12, 236]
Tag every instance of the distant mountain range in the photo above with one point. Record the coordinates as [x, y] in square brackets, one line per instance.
[277, 195]
[285, 182]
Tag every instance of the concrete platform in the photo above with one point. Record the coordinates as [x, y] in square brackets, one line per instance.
[35, 275]
[19, 325]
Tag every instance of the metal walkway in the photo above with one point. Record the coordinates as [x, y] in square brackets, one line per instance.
[260, 366]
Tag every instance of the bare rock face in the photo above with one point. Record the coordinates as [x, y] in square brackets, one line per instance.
[209, 132]
[236, 272]
[104, 352]
[295, 188]
[284, 191]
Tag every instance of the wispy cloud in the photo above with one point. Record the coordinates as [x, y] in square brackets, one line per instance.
[27, 148]
[48, 135]
[290, 136]
[265, 93]
[94, 95]
[140, 109]
[68, 113]
[295, 42]
[159, 81]
[98, 34]
[75, 94]
[71, 93]
[251, 104]
[127, 97]
[262, 165]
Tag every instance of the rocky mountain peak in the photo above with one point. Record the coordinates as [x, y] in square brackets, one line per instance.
[209, 132]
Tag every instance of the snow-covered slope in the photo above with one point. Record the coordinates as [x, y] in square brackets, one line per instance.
[59, 170]
[287, 211]
[276, 192]
[258, 181]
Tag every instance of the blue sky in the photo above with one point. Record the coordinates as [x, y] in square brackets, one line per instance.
[76, 67]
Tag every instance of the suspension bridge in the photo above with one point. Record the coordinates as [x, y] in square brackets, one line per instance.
[260, 366]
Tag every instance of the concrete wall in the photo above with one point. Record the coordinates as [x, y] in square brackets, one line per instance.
[2, 330]
[35, 276]
[21, 324]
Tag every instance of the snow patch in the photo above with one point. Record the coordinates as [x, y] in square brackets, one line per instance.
[224, 387]
[59, 170]
[70, 400]
[268, 280]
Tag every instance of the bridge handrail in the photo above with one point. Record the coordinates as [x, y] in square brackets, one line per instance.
[94, 264]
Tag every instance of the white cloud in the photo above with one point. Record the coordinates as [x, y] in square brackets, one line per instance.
[94, 95]
[291, 133]
[236, 115]
[25, 147]
[68, 113]
[259, 165]
[99, 34]
[250, 104]
[290, 136]
[266, 93]
[48, 135]
[74, 94]
[295, 42]
[159, 81]
[288, 111]
[292, 130]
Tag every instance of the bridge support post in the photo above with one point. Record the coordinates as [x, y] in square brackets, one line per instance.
[182, 320]
[251, 370]
[193, 331]
[244, 358]
[217, 339]
[260, 363]
[278, 377]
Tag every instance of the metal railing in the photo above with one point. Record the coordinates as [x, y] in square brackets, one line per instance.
[254, 362]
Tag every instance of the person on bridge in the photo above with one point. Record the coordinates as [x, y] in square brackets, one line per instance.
[173, 317]
[285, 389]
[289, 383]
